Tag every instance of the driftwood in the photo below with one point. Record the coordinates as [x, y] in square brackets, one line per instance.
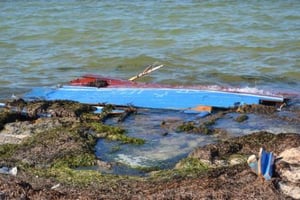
[148, 70]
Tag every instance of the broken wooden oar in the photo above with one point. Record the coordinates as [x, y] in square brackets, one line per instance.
[148, 70]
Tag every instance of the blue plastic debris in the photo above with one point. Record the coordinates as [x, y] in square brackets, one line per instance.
[264, 166]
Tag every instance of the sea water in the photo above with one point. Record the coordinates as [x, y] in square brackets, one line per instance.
[251, 44]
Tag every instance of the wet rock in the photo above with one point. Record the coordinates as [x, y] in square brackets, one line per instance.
[8, 117]
[59, 108]
[241, 118]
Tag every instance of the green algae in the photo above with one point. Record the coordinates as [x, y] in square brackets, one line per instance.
[7, 150]
[113, 133]
[75, 177]
[68, 176]
[190, 164]
[241, 118]
[186, 127]
[187, 167]
[56, 154]
[125, 139]
[79, 177]
[60, 146]
[145, 169]
[73, 161]
[190, 127]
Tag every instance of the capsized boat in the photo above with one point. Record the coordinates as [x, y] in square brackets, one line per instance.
[94, 89]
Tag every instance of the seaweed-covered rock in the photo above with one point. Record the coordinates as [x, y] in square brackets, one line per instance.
[246, 145]
[241, 118]
[7, 117]
[58, 108]
[257, 109]
[43, 149]
[16, 132]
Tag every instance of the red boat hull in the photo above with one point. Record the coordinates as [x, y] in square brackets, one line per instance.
[89, 79]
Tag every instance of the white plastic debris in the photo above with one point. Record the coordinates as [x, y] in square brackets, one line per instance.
[55, 186]
[5, 170]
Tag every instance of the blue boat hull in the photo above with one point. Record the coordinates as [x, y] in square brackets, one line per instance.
[160, 98]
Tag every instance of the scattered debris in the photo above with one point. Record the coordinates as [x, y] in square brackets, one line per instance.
[55, 186]
[252, 162]
[244, 146]
[128, 111]
[148, 70]
[11, 171]
[263, 166]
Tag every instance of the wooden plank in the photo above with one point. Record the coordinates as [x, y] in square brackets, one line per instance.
[160, 98]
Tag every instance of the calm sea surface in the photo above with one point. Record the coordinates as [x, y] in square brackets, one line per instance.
[227, 43]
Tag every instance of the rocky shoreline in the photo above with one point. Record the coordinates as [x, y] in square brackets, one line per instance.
[51, 142]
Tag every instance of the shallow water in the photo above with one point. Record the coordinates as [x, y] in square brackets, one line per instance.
[227, 43]
[257, 123]
[163, 147]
